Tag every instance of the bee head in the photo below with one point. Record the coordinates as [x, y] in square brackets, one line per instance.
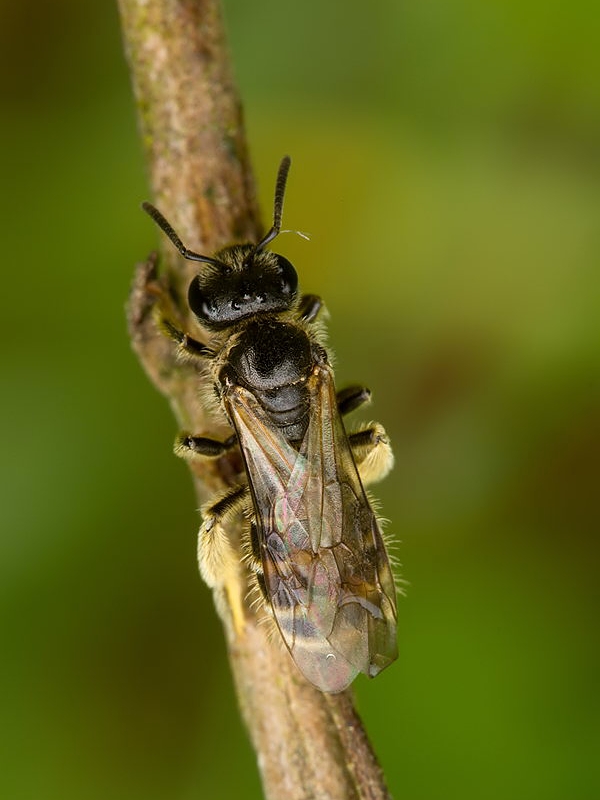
[240, 280]
[246, 281]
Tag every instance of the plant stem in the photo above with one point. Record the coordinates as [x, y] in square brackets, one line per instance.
[308, 744]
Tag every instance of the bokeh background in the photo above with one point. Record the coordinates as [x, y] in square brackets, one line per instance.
[446, 164]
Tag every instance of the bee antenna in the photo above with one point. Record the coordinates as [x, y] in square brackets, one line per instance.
[167, 228]
[282, 175]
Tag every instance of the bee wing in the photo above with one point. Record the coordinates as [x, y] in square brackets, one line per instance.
[326, 570]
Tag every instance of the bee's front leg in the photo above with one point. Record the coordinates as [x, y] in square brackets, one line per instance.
[192, 447]
[186, 344]
[372, 452]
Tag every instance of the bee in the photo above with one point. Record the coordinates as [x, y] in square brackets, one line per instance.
[311, 536]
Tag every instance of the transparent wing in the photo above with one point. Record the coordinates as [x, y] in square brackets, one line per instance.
[326, 570]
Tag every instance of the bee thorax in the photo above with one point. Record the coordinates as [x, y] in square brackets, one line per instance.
[271, 354]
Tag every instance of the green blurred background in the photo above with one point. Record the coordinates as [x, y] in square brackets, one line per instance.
[446, 164]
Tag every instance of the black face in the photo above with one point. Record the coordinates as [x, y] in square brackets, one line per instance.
[242, 284]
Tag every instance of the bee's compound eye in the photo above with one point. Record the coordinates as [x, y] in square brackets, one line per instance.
[202, 305]
[287, 276]
[196, 298]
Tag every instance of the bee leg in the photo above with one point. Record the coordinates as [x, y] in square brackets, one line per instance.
[254, 561]
[218, 561]
[372, 453]
[309, 307]
[352, 397]
[186, 345]
[192, 447]
[254, 558]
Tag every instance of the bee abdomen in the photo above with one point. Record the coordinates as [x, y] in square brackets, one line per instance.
[288, 408]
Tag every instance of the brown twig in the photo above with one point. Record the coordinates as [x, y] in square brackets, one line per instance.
[308, 744]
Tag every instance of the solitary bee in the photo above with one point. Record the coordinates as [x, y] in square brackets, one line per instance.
[313, 540]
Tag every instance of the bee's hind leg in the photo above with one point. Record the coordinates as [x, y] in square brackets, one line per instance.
[370, 444]
[372, 452]
[217, 558]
